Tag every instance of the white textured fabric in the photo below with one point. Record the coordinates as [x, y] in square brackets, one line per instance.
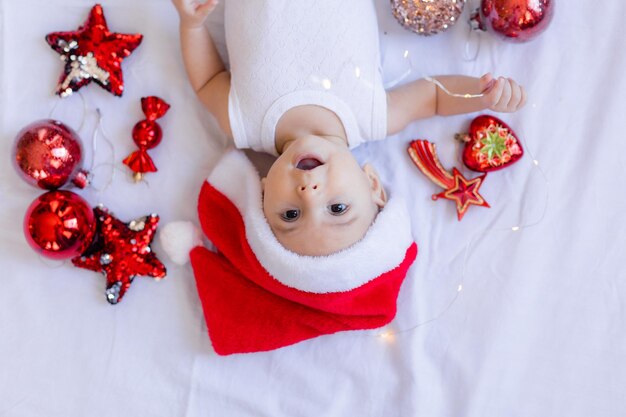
[382, 248]
[289, 53]
[538, 328]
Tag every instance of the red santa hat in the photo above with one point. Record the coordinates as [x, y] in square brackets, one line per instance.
[258, 296]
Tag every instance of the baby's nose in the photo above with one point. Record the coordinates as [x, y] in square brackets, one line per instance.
[308, 189]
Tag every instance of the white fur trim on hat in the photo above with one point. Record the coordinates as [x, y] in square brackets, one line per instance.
[382, 248]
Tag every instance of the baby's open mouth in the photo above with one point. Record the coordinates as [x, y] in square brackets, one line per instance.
[308, 163]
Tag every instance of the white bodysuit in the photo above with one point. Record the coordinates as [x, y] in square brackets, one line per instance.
[288, 53]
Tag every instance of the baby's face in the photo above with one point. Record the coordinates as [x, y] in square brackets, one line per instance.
[317, 199]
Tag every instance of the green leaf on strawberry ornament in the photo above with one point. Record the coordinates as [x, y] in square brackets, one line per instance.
[493, 143]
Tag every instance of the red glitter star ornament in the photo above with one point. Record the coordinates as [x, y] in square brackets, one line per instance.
[459, 189]
[92, 53]
[464, 193]
[122, 251]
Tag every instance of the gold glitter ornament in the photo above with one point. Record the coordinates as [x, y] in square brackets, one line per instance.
[427, 17]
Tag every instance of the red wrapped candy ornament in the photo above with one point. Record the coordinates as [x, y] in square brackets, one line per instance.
[59, 224]
[490, 145]
[147, 134]
[48, 153]
[92, 53]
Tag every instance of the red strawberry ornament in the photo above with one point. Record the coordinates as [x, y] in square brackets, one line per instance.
[490, 145]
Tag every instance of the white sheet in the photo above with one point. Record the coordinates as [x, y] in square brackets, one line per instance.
[537, 329]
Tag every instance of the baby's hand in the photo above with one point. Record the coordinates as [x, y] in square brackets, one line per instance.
[193, 13]
[502, 95]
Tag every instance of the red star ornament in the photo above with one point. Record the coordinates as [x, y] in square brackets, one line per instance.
[92, 53]
[464, 193]
[122, 251]
[459, 189]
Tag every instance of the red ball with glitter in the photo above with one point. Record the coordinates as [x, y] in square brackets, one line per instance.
[517, 20]
[48, 153]
[59, 224]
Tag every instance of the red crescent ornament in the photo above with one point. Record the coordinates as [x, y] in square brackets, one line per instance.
[48, 153]
[147, 134]
[59, 224]
[122, 251]
[462, 191]
[514, 20]
[92, 53]
[490, 145]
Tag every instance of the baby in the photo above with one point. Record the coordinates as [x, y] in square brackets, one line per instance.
[305, 85]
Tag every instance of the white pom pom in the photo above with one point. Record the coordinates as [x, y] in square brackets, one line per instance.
[178, 239]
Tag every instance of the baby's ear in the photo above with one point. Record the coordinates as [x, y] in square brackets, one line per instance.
[378, 191]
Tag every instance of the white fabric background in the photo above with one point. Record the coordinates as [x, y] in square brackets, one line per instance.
[537, 330]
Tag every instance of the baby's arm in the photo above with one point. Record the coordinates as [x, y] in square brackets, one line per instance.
[204, 66]
[421, 98]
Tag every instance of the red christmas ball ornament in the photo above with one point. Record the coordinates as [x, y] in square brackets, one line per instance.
[490, 145]
[427, 17]
[516, 20]
[59, 224]
[48, 153]
[147, 134]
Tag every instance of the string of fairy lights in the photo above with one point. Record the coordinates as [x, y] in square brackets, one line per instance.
[389, 333]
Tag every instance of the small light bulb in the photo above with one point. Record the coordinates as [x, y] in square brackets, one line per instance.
[460, 288]
[357, 72]
[535, 162]
[326, 83]
[515, 228]
[406, 53]
[387, 336]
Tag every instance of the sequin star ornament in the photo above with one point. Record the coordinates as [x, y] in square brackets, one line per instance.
[147, 134]
[122, 251]
[457, 188]
[92, 53]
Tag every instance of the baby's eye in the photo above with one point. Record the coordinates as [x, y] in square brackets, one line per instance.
[290, 215]
[338, 209]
